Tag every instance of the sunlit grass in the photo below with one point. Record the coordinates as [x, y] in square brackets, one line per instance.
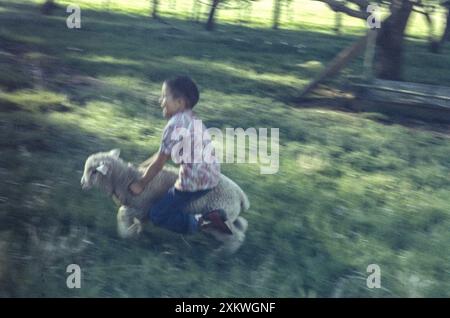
[301, 14]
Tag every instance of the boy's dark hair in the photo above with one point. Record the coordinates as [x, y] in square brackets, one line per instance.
[184, 86]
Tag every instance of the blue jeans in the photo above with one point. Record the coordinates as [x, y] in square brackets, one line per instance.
[168, 211]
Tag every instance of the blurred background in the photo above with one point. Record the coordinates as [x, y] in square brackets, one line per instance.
[357, 185]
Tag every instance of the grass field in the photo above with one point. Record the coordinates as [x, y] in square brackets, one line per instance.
[353, 189]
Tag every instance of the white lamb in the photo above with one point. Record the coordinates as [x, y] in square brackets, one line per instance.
[111, 174]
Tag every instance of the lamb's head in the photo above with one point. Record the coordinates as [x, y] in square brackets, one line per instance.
[98, 169]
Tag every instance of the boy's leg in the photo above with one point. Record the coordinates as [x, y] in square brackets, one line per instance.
[168, 211]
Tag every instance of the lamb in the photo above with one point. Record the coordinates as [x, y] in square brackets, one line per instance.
[111, 174]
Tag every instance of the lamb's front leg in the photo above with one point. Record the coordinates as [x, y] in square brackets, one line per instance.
[128, 225]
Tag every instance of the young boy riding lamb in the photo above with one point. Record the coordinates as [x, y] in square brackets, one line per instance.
[198, 198]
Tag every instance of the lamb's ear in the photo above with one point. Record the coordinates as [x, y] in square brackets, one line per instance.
[115, 153]
[102, 168]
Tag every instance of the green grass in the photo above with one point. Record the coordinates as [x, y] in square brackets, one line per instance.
[301, 13]
[351, 191]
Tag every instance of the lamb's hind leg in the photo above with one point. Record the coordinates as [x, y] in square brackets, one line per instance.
[230, 242]
[128, 225]
[241, 224]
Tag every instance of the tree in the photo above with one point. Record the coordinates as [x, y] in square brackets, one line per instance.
[155, 7]
[390, 38]
[276, 13]
[337, 22]
[214, 6]
[48, 7]
[427, 9]
[389, 43]
[446, 35]
[212, 14]
[278, 6]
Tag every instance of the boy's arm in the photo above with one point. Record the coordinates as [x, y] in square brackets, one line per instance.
[153, 169]
[149, 160]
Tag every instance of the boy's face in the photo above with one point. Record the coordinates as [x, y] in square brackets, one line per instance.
[169, 103]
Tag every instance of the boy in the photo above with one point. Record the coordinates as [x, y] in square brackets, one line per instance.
[178, 98]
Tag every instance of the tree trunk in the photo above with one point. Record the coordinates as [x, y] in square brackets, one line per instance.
[389, 52]
[155, 9]
[48, 7]
[446, 34]
[212, 12]
[276, 14]
[434, 45]
[337, 22]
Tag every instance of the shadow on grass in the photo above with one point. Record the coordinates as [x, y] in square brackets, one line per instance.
[44, 159]
[233, 60]
[225, 61]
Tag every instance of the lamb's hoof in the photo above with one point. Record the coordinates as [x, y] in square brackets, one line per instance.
[241, 224]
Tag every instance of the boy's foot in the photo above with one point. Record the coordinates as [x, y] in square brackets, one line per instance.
[214, 220]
